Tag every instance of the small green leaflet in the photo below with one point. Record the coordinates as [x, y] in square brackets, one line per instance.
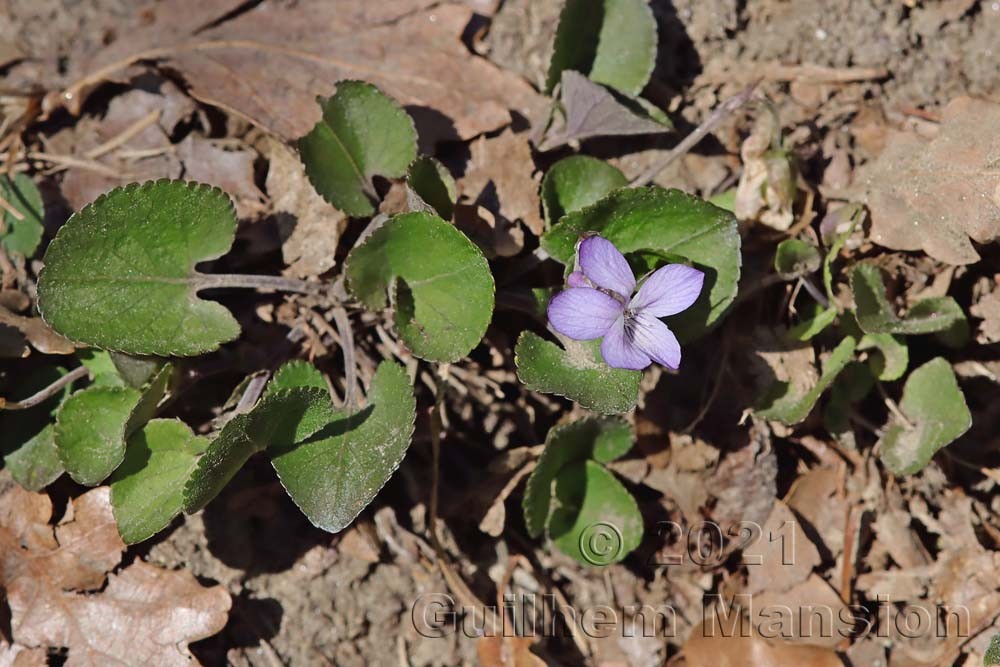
[603, 439]
[296, 373]
[992, 657]
[577, 372]
[120, 274]
[595, 519]
[21, 236]
[613, 44]
[147, 488]
[876, 315]
[437, 280]
[780, 403]
[795, 258]
[890, 356]
[671, 223]
[576, 182]
[337, 472]
[431, 187]
[938, 415]
[93, 424]
[363, 133]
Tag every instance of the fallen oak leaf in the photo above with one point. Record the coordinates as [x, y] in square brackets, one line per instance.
[505, 162]
[302, 50]
[933, 196]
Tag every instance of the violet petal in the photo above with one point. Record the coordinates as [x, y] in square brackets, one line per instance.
[619, 351]
[583, 313]
[669, 290]
[653, 338]
[604, 266]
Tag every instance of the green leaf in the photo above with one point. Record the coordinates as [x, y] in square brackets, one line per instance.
[669, 222]
[147, 488]
[852, 385]
[854, 213]
[938, 415]
[613, 42]
[296, 373]
[103, 372]
[21, 236]
[795, 258]
[809, 327]
[363, 133]
[433, 186]
[891, 357]
[136, 371]
[603, 439]
[93, 425]
[577, 372]
[441, 284]
[595, 520]
[782, 403]
[120, 274]
[876, 315]
[28, 442]
[337, 472]
[285, 417]
[577, 182]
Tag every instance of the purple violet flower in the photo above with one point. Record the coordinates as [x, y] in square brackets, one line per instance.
[596, 303]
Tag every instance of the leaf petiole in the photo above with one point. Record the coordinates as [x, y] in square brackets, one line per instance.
[242, 281]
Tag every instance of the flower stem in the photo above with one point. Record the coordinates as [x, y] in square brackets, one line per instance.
[47, 393]
[239, 280]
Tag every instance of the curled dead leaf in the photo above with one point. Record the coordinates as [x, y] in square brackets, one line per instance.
[37, 333]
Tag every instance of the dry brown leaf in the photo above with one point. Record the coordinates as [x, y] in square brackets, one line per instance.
[814, 498]
[495, 237]
[766, 190]
[309, 226]
[270, 62]
[818, 616]
[782, 556]
[37, 332]
[499, 651]
[987, 308]
[230, 170]
[145, 615]
[500, 176]
[744, 482]
[708, 647]
[15, 655]
[934, 195]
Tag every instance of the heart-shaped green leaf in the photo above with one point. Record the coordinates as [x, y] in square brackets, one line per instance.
[430, 186]
[28, 443]
[876, 315]
[671, 223]
[815, 319]
[577, 372]
[613, 42]
[147, 489]
[284, 417]
[782, 403]
[21, 233]
[441, 284]
[938, 415]
[576, 182]
[595, 519]
[363, 133]
[93, 425]
[336, 473]
[795, 258]
[120, 274]
[602, 439]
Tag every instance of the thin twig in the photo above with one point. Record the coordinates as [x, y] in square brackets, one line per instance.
[14, 213]
[893, 408]
[47, 393]
[347, 346]
[814, 292]
[68, 161]
[124, 136]
[690, 141]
